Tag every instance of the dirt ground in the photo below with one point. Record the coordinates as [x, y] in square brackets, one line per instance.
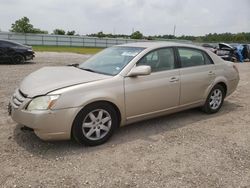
[187, 149]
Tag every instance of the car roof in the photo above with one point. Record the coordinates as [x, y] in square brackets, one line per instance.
[10, 41]
[159, 44]
[3, 40]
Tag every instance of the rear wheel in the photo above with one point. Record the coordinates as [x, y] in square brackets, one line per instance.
[18, 59]
[214, 100]
[95, 124]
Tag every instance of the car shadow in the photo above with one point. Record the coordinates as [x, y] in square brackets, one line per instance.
[138, 131]
[25, 63]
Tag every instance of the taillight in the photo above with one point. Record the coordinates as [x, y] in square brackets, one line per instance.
[235, 68]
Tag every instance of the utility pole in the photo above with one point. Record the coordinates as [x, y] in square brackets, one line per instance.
[174, 30]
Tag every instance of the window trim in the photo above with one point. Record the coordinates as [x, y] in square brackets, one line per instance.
[210, 59]
[194, 49]
[174, 53]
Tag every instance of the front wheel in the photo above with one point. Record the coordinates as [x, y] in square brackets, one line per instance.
[214, 100]
[95, 124]
[18, 59]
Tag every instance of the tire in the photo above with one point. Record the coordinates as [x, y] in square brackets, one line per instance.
[214, 100]
[18, 59]
[95, 124]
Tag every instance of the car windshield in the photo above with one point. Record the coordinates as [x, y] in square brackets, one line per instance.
[111, 60]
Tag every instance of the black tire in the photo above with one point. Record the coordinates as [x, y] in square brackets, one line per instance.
[78, 130]
[208, 108]
[18, 59]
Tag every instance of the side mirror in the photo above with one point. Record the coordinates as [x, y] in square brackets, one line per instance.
[141, 70]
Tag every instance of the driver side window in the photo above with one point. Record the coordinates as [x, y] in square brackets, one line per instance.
[159, 60]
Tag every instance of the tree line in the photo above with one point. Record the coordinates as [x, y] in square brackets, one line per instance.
[211, 37]
[23, 25]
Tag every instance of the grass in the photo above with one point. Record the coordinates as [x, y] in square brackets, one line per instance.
[79, 50]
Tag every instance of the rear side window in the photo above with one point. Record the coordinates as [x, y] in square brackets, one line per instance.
[207, 59]
[192, 57]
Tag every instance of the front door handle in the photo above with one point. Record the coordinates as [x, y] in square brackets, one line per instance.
[174, 79]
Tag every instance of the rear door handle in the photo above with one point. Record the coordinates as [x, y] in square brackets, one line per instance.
[174, 79]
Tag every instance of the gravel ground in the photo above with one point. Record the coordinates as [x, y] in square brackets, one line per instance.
[187, 149]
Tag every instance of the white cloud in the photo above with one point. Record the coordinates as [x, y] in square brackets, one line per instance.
[191, 17]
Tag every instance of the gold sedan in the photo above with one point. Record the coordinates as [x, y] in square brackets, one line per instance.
[121, 85]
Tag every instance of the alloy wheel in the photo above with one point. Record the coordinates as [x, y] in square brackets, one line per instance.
[19, 59]
[96, 124]
[215, 99]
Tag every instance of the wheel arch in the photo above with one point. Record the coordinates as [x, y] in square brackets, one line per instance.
[219, 81]
[18, 53]
[118, 112]
[223, 84]
[206, 106]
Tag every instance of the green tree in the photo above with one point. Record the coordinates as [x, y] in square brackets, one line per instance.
[100, 34]
[136, 35]
[240, 37]
[36, 30]
[59, 32]
[71, 32]
[23, 25]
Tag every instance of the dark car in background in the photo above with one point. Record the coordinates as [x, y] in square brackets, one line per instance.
[14, 52]
[211, 47]
[234, 52]
[246, 51]
[230, 52]
[227, 52]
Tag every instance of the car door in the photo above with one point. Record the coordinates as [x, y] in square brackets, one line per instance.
[197, 73]
[5, 50]
[145, 95]
[2, 52]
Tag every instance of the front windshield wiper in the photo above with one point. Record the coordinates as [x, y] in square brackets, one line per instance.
[74, 65]
[77, 66]
[86, 69]
[91, 70]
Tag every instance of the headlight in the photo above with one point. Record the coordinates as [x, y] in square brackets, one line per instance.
[30, 50]
[42, 103]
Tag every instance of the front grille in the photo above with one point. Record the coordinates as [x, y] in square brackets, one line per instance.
[18, 98]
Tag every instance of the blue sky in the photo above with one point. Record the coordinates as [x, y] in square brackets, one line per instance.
[151, 17]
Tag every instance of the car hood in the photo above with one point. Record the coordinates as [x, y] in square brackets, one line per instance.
[48, 79]
[224, 46]
[23, 47]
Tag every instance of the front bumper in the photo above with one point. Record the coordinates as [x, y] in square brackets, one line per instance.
[47, 124]
[29, 55]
